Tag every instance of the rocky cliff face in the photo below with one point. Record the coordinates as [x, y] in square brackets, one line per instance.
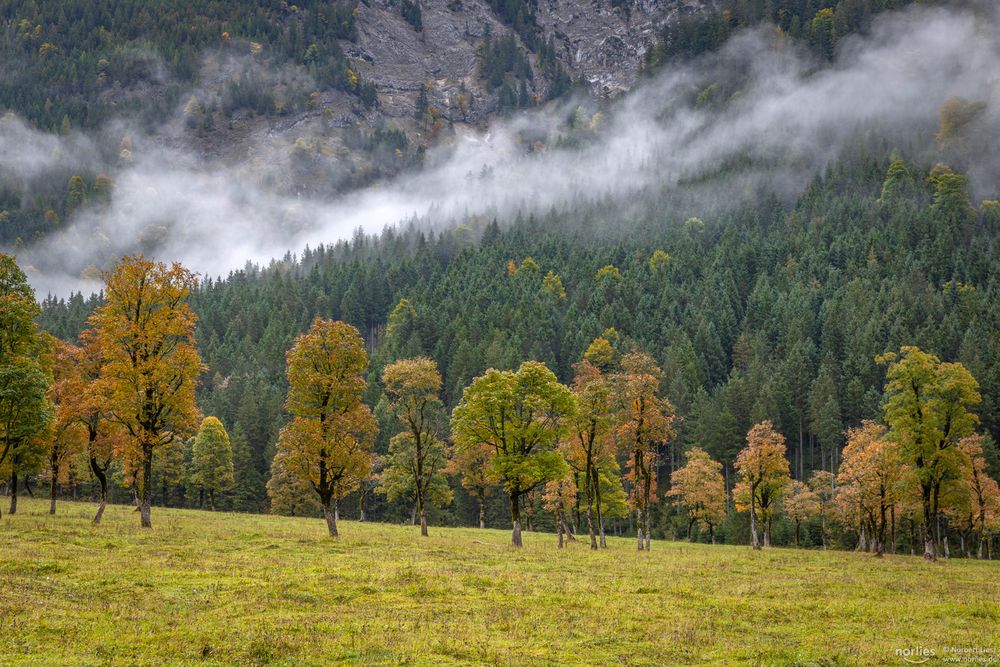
[598, 43]
[439, 67]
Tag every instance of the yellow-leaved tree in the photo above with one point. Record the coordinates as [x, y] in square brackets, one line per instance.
[145, 330]
[700, 489]
[328, 442]
[763, 476]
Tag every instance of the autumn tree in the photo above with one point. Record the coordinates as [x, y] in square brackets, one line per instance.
[289, 493]
[928, 409]
[68, 436]
[472, 464]
[26, 412]
[146, 334]
[763, 476]
[328, 442]
[823, 484]
[981, 490]
[588, 446]
[84, 402]
[520, 415]
[559, 498]
[212, 460]
[700, 489]
[416, 454]
[868, 478]
[643, 423]
[801, 504]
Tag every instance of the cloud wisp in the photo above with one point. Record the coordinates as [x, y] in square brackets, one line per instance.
[772, 107]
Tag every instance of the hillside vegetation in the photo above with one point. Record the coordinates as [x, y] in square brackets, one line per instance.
[228, 589]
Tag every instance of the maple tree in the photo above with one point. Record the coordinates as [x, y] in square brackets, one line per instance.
[520, 415]
[801, 504]
[417, 453]
[559, 498]
[763, 476]
[700, 489]
[823, 484]
[26, 413]
[472, 464]
[643, 423]
[588, 446]
[982, 491]
[928, 409]
[868, 477]
[329, 439]
[212, 460]
[145, 330]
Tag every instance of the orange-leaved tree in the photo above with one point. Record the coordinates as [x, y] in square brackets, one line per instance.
[85, 398]
[588, 445]
[559, 498]
[145, 331]
[763, 476]
[869, 476]
[801, 504]
[982, 490]
[700, 489]
[643, 424]
[328, 442]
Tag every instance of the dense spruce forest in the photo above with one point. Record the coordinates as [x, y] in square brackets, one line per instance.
[770, 312]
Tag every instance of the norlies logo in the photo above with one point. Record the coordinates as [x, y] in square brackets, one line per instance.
[916, 655]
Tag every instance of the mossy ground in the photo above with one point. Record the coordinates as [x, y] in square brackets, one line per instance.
[214, 588]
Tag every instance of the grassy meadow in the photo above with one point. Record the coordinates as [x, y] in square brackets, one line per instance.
[224, 589]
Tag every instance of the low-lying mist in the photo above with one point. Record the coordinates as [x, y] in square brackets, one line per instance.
[761, 102]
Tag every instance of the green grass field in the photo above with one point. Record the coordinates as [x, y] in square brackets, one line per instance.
[203, 588]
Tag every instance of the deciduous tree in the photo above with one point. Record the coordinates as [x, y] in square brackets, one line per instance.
[643, 424]
[328, 442]
[928, 409]
[520, 415]
[212, 460]
[981, 489]
[472, 464]
[801, 504]
[588, 445]
[559, 498]
[146, 334]
[26, 412]
[763, 476]
[700, 489]
[416, 454]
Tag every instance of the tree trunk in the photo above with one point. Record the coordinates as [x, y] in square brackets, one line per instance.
[590, 522]
[797, 533]
[52, 490]
[600, 513]
[331, 519]
[515, 517]
[423, 522]
[146, 494]
[102, 478]
[767, 533]
[13, 491]
[754, 539]
[711, 532]
[559, 528]
[482, 508]
[638, 529]
[930, 548]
